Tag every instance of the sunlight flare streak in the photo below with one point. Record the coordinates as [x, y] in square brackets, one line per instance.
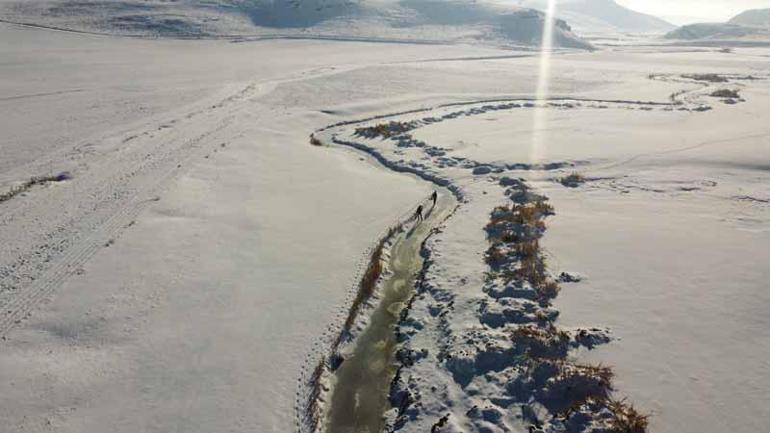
[540, 117]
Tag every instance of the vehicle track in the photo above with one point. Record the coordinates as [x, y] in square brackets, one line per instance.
[113, 194]
[51, 233]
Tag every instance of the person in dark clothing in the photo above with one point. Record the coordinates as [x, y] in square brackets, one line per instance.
[434, 197]
[418, 214]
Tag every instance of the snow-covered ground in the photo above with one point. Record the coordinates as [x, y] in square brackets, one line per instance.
[199, 254]
[663, 162]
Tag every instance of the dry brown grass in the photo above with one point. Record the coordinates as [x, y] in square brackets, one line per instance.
[528, 214]
[709, 78]
[496, 255]
[41, 180]
[548, 290]
[514, 231]
[726, 93]
[626, 419]
[600, 374]
[385, 130]
[531, 263]
[574, 180]
[368, 282]
[515, 255]
[577, 385]
[314, 141]
[313, 410]
[542, 342]
[510, 236]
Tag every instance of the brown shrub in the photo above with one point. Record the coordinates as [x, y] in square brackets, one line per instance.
[626, 419]
[385, 130]
[542, 342]
[574, 180]
[709, 78]
[576, 384]
[726, 93]
[496, 255]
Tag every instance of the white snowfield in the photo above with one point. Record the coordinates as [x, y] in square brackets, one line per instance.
[673, 192]
[185, 272]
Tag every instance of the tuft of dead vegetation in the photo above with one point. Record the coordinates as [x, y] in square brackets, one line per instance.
[573, 180]
[726, 93]
[38, 180]
[548, 290]
[708, 78]
[625, 418]
[496, 256]
[529, 214]
[313, 408]
[386, 130]
[542, 342]
[573, 386]
[368, 282]
[314, 141]
[565, 388]
[514, 232]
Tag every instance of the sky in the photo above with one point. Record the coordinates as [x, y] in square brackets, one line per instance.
[690, 11]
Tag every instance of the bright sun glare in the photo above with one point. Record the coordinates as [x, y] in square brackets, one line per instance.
[543, 85]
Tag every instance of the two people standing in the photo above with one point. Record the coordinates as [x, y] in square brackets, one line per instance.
[418, 213]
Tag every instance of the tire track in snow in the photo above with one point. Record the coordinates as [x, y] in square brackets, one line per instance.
[115, 192]
[118, 193]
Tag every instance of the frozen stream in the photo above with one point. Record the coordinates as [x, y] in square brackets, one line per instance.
[360, 397]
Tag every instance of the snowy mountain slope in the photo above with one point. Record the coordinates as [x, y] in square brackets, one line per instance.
[716, 31]
[604, 16]
[421, 20]
[753, 17]
[751, 24]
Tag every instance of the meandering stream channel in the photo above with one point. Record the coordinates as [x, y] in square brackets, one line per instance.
[360, 395]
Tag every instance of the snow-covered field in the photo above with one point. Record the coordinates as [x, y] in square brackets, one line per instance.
[191, 267]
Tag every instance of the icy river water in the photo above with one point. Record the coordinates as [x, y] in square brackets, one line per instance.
[360, 396]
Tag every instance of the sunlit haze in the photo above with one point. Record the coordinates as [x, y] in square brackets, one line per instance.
[689, 11]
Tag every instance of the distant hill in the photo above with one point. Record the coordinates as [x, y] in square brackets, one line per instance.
[604, 16]
[753, 18]
[752, 24]
[714, 31]
[486, 21]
